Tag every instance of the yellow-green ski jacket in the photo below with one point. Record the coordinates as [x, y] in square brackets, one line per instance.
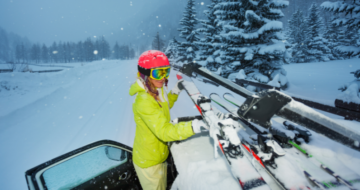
[153, 127]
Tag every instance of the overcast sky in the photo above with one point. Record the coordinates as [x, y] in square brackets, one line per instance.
[45, 21]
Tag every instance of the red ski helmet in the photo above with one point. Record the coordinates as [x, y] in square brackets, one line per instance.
[152, 59]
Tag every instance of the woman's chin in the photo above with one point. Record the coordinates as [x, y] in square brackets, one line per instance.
[159, 85]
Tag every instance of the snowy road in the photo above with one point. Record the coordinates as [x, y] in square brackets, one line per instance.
[94, 106]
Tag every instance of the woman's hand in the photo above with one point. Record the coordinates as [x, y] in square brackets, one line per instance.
[177, 88]
[199, 126]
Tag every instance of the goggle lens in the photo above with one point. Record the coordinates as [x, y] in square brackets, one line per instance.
[160, 73]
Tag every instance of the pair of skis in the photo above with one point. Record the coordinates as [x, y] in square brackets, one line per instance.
[239, 154]
[281, 138]
[235, 148]
[293, 111]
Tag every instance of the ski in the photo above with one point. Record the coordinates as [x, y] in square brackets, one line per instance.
[224, 138]
[260, 107]
[316, 182]
[300, 132]
[339, 178]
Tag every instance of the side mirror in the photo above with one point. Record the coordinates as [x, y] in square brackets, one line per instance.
[115, 154]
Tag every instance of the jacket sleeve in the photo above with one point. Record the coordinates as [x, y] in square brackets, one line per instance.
[155, 120]
[172, 98]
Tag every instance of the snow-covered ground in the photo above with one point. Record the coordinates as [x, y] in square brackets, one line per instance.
[44, 115]
[320, 82]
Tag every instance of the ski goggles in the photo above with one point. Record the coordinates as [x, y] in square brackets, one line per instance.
[160, 73]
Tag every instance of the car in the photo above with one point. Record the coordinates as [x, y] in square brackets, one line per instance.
[104, 164]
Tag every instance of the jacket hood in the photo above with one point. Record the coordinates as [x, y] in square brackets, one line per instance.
[138, 86]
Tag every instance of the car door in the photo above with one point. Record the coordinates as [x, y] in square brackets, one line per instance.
[103, 164]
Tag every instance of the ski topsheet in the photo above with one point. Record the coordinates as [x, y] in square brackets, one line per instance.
[309, 163]
[226, 139]
[293, 111]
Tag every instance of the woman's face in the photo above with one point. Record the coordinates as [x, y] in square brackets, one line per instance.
[157, 83]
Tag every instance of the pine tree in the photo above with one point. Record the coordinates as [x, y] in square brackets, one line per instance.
[348, 12]
[18, 53]
[96, 50]
[316, 49]
[4, 45]
[54, 52]
[35, 53]
[44, 54]
[348, 15]
[210, 42]
[172, 50]
[331, 34]
[67, 52]
[187, 48]
[158, 43]
[61, 52]
[89, 50]
[297, 36]
[103, 48]
[229, 18]
[251, 39]
[79, 52]
[347, 43]
[131, 53]
[124, 52]
[116, 51]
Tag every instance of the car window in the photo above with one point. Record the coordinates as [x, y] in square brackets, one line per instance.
[82, 168]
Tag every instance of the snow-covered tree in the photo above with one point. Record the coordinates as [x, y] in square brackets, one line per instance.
[251, 38]
[172, 50]
[44, 53]
[229, 18]
[131, 53]
[103, 48]
[350, 91]
[53, 52]
[187, 48]
[89, 50]
[348, 13]
[116, 51]
[20, 53]
[158, 43]
[331, 34]
[210, 41]
[67, 52]
[124, 52]
[356, 74]
[297, 36]
[80, 53]
[347, 42]
[35, 53]
[4, 45]
[316, 49]
[61, 52]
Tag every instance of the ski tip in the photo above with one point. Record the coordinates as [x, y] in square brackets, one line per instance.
[178, 76]
[228, 94]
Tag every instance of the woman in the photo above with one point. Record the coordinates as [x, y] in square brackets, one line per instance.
[152, 118]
